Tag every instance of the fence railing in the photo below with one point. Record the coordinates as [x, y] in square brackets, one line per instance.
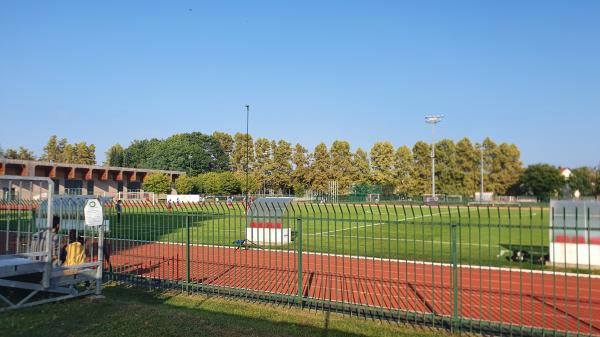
[499, 270]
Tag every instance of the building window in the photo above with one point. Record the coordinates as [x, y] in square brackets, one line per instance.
[90, 187]
[134, 186]
[56, 186]
[119, 186]
[73, 187]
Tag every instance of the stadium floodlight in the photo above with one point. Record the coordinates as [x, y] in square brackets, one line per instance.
[433, 120]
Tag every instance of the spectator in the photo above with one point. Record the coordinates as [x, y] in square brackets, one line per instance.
[118, 209]
[39, 241]
[74, 252]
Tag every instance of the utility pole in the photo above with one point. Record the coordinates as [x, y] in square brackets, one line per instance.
[433, 120]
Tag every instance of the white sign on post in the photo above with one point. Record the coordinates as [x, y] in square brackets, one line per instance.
[93, 213]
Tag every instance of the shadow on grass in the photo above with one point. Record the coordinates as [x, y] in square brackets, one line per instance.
[132, 312]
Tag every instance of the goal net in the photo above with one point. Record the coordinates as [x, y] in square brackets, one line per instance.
[372, 197]
[137, 196]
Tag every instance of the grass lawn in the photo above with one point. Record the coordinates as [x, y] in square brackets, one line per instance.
[133, 312]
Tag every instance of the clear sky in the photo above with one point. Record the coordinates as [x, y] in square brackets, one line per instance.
[523, 72]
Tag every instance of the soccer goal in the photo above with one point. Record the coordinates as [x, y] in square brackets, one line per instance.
[454, 198]
[372, 197]
[138, 196]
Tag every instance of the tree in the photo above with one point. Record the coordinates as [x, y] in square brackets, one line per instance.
[341, 165]
[138, 153]
[542, 180]
[185, 185]
[422, 166]
[300, 162]
[193, 152]
[262, 163]
[404, 170]
[115, 156]
[382, 164]
[198, 182]
[85, 154]
[63, 152]
[227, 143]
[597, 180]
[582, 179]
[467, 167]
[211, 183]
[22, 154]
[447, 174]
[319, 169]
[228, 184]
[502, 166]
[11, 154]
[281, 168]
[52, 152]
[158, 183]
[253, 185]
[362, 169]
[243, 147]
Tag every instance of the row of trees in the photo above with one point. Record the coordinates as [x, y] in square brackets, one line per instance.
[285, 168]
[60, 151]
[216, 183]
[542, 180]
[279, 166]
[22, 153]
[63, 152]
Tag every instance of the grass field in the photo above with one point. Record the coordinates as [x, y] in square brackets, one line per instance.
[394, 232]
[383, 231]
[133, 312]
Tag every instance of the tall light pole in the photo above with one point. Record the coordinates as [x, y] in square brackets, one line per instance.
[247, 154]
[481, 148]
[433, 120]
[190, 165]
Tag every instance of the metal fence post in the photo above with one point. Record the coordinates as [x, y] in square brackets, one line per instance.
[49, 242]
[187, 253]
[454, 244]
[299, 252]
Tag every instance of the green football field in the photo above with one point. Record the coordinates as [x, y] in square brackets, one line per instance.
[484, 235]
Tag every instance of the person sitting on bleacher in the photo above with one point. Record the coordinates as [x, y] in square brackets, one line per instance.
[38, 242]
[73, 253]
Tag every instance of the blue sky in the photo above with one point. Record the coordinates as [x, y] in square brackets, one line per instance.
[523, 72]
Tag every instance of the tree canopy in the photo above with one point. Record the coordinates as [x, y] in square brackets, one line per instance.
[542, 180]
[62, 152]
[193, 153]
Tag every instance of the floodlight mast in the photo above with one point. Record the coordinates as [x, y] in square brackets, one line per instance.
[433, 120]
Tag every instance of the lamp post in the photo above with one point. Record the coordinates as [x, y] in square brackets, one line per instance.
[433, 120]
[247, 154]
[190, 165]
[481, 148]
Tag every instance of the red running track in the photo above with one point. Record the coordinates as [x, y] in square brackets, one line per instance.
[519, 298]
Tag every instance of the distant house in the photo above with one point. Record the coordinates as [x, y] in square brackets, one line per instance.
[565, 172]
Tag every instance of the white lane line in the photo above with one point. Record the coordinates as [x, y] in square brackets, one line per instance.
[380, 223]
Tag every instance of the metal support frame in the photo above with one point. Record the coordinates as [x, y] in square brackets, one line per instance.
[59, 281]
